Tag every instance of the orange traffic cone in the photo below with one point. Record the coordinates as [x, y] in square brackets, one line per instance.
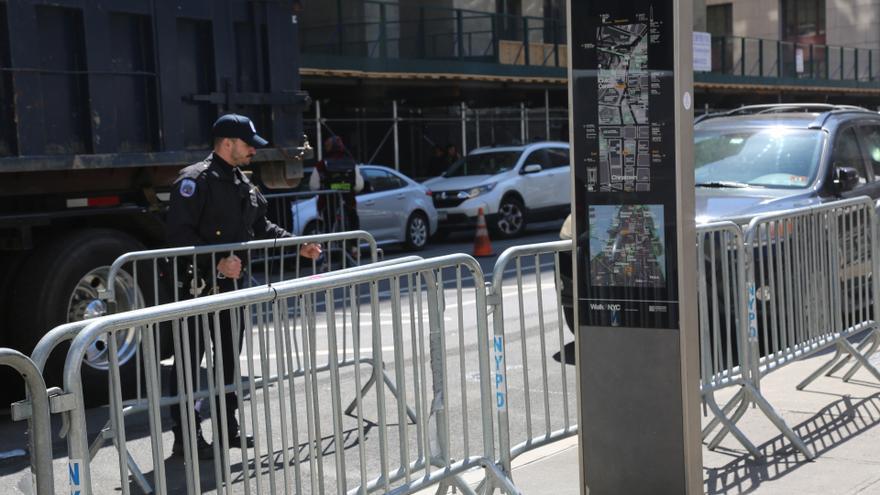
[482, 245]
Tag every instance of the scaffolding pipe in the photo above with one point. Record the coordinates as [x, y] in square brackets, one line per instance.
[464, 148]
[547, 114]
[318, 124]
[396, 139]
[477, 121]
[522, 122]
[492, 125]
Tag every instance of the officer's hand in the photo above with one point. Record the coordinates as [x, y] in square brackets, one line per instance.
[230, 266]
[310, 251]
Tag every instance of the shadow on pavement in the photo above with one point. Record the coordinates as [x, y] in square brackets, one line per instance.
[831, 427]
[246, 472]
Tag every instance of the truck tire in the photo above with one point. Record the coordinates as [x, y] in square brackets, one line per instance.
[13, 389]
[58, 283]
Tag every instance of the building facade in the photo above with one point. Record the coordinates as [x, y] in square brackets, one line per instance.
[396, 78]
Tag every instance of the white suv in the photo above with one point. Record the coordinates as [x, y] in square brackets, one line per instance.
[511, 184]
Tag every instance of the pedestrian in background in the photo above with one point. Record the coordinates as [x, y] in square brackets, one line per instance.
[452, 154]
[214, 202]
[438, 163]
[337, 172]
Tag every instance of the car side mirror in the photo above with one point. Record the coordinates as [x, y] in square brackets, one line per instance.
[532, 168]
[845, 179]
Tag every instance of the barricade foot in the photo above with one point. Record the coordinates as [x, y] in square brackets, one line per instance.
[875, 342]
[496, 477]
[771, 414]
[457, 484]
[831, 366]
[730, 426]
[138, 476]
[363, 392]
[861, 359]
[873, 339]
[391, 387]
[736, 399]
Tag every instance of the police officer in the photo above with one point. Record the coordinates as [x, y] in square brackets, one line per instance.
[213, 202]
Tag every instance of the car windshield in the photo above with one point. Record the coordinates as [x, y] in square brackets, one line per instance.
[773, 157]
[491, 163]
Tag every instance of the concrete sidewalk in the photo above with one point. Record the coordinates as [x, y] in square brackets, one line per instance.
[836, 419]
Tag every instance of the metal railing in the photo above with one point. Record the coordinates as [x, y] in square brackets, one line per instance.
[811, 275]
[189, 271]
[37, 414]
[756, 57]
[537, 335]
[292, 414]
[383, 31]
[791, 285]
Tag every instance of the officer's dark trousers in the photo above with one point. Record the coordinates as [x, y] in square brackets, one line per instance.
[195, 332]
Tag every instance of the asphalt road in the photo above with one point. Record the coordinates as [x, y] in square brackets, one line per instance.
[540, 379]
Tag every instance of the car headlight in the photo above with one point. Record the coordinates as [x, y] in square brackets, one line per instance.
[473, 193]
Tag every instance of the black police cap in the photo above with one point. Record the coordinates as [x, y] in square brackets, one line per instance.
[237, 126]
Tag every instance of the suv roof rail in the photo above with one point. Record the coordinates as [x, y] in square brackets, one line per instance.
[784, 107]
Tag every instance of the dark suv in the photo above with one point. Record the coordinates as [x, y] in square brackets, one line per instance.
[768, 158]
[764, 158]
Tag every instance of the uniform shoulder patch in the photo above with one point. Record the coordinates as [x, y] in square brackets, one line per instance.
[187, 188]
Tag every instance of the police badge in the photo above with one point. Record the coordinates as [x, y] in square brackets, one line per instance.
[187, 188]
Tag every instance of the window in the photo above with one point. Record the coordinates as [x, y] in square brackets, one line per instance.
[848, 154]
[767, 157]
[490, 163]
[871, 141]
[803, 24]
[379, 181]
[558, 157]
[803, 21]
[509, 21]
[719, 23]
[538, 157]
[719, 19]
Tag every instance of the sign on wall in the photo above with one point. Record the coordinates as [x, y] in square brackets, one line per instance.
[702, 52]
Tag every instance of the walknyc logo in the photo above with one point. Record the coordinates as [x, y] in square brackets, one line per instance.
[614, 309]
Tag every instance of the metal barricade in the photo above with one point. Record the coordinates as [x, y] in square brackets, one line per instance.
[136, 402]
[305, 442]
[814, 278]
[726, 357]
[299, 212]
[810, 285]
[36, 410]
[147, 278]
[181, 273]
[530, 389]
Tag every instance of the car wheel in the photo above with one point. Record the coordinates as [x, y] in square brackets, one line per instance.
[61, 283]
[511, 219]
[416, 231]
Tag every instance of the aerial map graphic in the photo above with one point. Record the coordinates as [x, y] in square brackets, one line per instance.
[627, 246]
[623, 97]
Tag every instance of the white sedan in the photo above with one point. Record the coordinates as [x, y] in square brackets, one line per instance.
[392, 207]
